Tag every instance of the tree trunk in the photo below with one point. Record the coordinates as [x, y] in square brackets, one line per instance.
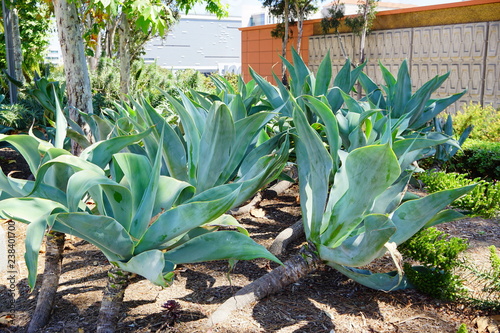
[112, 300]
[300, 29]
[51, 274]
[286, 21]
[109, 38]
[124, 56]
[293, 270]
[16, 43]
[75, 65]
[363, 33]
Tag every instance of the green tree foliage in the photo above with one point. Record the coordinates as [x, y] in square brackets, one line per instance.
[34, 24]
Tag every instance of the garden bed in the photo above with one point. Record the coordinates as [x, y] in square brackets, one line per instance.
[325, 301]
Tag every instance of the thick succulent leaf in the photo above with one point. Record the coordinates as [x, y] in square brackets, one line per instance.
[149, 264]
[35, 233]
[404, 146]
[65, 161]
[444, 216]
[331, 126]
[218, 245]
[391, 198]
[185, 217]
[315, 165]
[361, 249]
[324, 76]
[170, 192]
[373, 92]
[379, 281]
[268, 89]
[246, 130]
[238, 109]
[102, 231]
[370, 171]
[100, 152]
[402, 92]
[192, 136]
[413, 215]
[435, 108]
[118, 196]
[215, 146]
[15, 208]
[27, 146]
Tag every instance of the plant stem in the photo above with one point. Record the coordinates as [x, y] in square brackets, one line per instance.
[51, 274]
[293, 270]
[112, 300]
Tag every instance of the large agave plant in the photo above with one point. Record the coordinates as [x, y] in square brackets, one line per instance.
[352, 202]
[144, 222]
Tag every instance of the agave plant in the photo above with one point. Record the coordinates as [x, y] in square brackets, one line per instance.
[355, 214]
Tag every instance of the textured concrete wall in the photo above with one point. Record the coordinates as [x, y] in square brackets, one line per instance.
[469, 51]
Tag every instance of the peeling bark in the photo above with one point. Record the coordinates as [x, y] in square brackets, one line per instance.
[112, 300]
[51, 274]
[124, 56]
[75, 65]
[293, 270]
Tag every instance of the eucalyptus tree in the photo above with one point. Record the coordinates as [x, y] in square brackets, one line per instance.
[290, 12]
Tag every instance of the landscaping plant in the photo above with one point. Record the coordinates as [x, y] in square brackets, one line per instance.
[483, 200]
[353, 176]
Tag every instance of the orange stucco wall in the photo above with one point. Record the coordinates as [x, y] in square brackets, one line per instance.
[261, 52]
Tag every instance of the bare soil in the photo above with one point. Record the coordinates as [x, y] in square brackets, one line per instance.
[325, 301]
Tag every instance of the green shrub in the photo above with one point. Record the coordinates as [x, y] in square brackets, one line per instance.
[444, 272]
[483, 200]
[477, 159]
[486, 122]
[439, 255]
[18, 116]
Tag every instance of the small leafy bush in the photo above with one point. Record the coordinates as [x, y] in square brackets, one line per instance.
[18, 116]
[486, 122]
[483, 200]
[446, 274]
[477, 159]
[439, 255]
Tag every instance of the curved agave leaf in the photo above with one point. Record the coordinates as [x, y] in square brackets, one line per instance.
[100, 152]
[149, 264]
[370, 171]
[361, 249]
[215, 146]
[118, 196]
[36, 218]
[315, 166]
[27, 146]
[102, 231]
[413, 215]
[379, 281]
[198, 211]
[171, 192]
[218, 245]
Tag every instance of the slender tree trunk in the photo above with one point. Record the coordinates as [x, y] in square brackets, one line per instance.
[75, 65]
[286, 21]
[300, 29]
[109, 38]
[363, 33]
[112, 300]
[124, 56]
[293, 270]
[16, 43]
[51, 274]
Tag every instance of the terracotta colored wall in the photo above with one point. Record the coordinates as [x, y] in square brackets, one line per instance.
[261, 52]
